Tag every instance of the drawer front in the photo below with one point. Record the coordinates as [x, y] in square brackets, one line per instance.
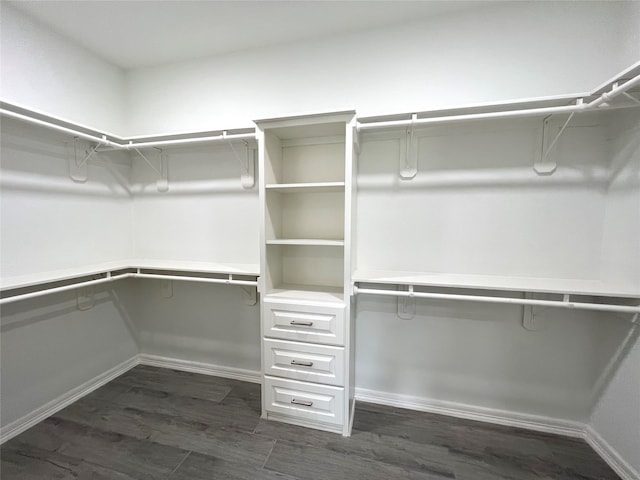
[304, 361]
[316, 403]
[305, 323]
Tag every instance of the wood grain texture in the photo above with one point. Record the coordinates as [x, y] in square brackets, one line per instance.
[165, 424]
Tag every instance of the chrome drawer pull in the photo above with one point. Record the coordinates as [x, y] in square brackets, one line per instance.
[301, 324]
[302, 364]
[300, 402]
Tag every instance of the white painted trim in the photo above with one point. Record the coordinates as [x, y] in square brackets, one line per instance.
[610, 455]
[508, 418]
[200, 367]
[29, 420]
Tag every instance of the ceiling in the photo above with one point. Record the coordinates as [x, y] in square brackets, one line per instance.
[139, 33]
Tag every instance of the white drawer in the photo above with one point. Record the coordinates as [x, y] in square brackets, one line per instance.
[304, 361]
[306, 323]
[308, 401]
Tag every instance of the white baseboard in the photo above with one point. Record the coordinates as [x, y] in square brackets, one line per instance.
[610, 455]
[508, 418]
[29, 420]
[199, 367]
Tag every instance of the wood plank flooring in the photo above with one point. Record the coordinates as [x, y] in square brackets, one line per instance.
[153, 423]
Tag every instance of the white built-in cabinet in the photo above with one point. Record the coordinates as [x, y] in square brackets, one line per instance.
[306, 179]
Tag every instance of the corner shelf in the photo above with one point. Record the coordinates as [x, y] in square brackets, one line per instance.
[35, 285]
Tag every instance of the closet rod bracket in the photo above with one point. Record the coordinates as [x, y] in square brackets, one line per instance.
[78, 170]
[409, 152]
[250, 295]
[529, 317]
[85, 298]
[546, 164]
[406, 304]
[247, 162]
[162, 183]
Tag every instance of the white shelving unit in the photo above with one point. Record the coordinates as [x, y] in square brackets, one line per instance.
[516, 202]
[306, 173]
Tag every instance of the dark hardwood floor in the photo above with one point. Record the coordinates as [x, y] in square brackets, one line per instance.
[153, 423]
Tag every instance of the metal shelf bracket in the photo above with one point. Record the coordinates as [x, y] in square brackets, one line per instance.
[162, 184]
[529, 321]
[547, 164]
[78, 171]
[247, 163]
[409, 152]
[84, 298]
[407, 304]
[250, 295]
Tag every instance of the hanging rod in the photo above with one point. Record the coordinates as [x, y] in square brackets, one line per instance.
[64, 288]
[110, 278]
[487, 299]
[76, 133]
[580, 106]
[223, 136]
[124, 143]
[224, 281]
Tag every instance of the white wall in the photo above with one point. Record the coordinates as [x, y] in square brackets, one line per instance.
[205, 216]
[207, 323]
[476, 206]
[44, 71]
[621, 244]
[50, 226]
[49, 347]
[50, 223]
[479, 355]
[616, 417]
[509, 50]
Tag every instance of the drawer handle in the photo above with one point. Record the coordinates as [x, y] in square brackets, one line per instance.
[301, 402]
[301, 324]
[302, 364]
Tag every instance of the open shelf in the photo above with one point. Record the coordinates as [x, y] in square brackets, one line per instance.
[306, 241]
[315, 213]
[32, 280]
[491, 282]
[320, 293]
[316, 187]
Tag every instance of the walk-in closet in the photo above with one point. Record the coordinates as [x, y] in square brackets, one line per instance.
[320, 240]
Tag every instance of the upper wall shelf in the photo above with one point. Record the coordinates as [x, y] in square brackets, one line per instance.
[124, 143]
[621, 91]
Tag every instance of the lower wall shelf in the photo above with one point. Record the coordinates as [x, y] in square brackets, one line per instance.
[51, 284]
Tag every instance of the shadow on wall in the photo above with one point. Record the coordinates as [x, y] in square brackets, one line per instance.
[616, 357]
[481, 356]
[54, 306]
